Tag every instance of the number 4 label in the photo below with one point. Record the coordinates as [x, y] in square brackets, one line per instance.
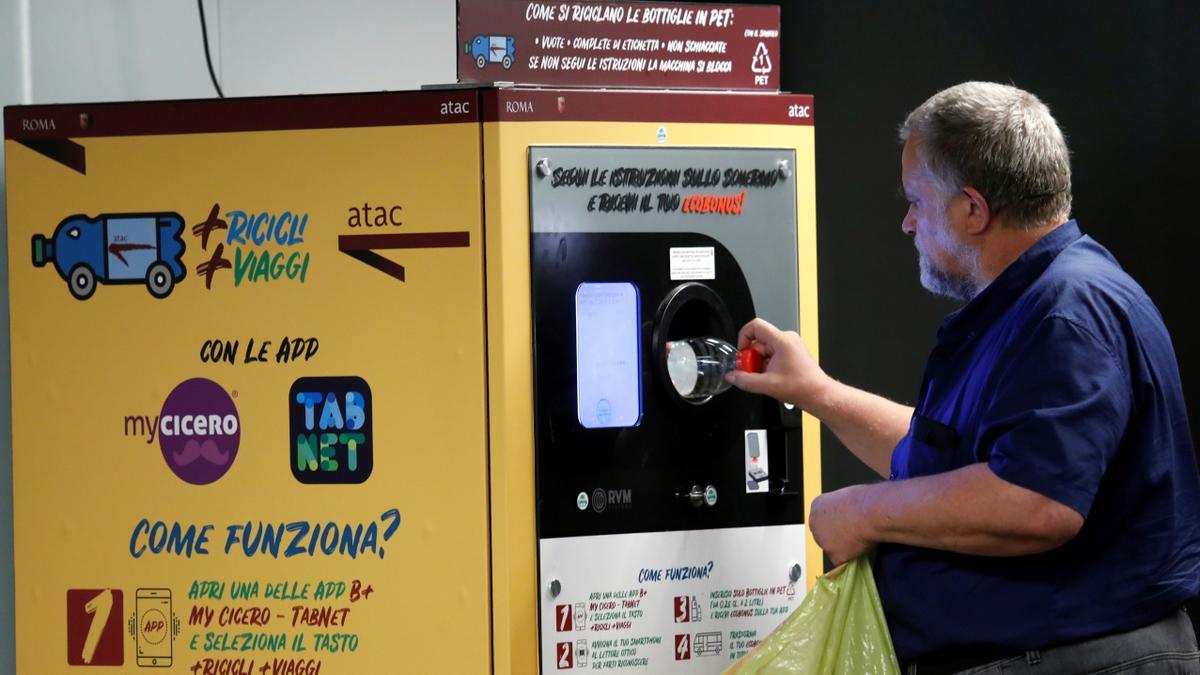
[683, 647]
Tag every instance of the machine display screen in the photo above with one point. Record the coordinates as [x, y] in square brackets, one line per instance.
[607, 355]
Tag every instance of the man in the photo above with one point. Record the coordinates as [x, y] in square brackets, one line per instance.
[1043, 507]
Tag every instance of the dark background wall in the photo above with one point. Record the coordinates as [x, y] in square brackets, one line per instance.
[1121, 78]
[1123, 81]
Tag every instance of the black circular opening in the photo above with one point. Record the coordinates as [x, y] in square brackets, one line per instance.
[689, 310]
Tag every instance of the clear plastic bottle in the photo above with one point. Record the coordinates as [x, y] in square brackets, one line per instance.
[697, 366]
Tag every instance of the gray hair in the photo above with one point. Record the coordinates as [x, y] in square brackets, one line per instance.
[1000, 140]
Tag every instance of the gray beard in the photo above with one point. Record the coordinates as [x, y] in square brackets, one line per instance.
[941, 283]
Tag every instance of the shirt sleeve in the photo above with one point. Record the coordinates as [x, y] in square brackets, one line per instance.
[1060, 409]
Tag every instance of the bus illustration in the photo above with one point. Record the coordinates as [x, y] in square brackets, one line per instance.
[487, 49]
[115, 248]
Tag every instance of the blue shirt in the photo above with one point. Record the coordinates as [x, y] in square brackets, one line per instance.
[1061, 376]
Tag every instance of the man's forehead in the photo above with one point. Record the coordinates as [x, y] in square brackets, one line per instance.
[908, 155]
[912, 175]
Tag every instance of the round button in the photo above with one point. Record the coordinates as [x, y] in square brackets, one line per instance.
[582, 501]
[710, 495]
[795, 572]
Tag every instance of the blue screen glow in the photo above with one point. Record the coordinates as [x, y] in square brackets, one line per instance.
[607, 355]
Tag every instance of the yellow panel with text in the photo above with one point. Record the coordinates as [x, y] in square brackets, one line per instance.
[514, 538]
[375, 366]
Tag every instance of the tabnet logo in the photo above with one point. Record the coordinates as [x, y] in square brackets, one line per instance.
[330, 422]
[199, 431]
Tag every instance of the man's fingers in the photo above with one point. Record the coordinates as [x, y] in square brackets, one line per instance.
[754, 383]
[758, 330]
[749, 333]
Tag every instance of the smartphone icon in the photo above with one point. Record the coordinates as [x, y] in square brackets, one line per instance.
[154, 636]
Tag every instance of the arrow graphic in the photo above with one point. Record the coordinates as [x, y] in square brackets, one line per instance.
[362, 247]
[117, 249]
[62, 150]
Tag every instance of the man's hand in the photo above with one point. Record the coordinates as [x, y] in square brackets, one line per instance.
[838, 521]
[869, 425]
[790, 373]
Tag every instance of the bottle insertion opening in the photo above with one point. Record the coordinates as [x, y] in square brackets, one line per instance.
[697, 366]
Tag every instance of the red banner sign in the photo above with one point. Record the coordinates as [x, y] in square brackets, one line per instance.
[623, 44]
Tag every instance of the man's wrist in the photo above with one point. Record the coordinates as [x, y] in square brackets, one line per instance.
[872, 512]
[817, 397]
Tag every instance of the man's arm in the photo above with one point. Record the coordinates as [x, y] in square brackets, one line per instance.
[869, 425]
[968, 510]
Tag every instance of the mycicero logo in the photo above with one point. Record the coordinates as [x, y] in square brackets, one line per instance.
[199, 431]
[330, 420]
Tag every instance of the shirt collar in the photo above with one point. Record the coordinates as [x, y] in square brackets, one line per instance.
[1006, 288]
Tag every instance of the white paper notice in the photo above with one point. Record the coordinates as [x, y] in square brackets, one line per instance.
[693, 263]
[656, 602]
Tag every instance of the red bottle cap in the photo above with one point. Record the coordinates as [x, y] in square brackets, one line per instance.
[749, 360]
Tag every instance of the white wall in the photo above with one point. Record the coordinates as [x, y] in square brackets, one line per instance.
[99, 50]
[67, 51]
[10, 92]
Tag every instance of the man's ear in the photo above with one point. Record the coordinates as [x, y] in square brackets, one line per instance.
[979, 217]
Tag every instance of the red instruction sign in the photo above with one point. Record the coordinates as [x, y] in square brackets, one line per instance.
[626, 44]
[95, 617]
[562, 620]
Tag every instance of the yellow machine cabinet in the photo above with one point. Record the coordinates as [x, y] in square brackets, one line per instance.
[375, 383]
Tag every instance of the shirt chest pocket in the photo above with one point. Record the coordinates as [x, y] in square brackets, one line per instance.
[934, 448]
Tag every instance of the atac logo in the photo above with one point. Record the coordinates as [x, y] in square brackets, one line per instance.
[199, 431]
[330, 421]
[800, 111]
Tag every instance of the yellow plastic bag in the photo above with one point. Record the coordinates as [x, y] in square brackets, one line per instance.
[838, 629]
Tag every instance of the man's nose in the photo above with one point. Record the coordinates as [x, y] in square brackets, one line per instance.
[909, 224]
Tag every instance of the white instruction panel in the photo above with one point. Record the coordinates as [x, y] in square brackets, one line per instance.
[655, 602]
[693, 263]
